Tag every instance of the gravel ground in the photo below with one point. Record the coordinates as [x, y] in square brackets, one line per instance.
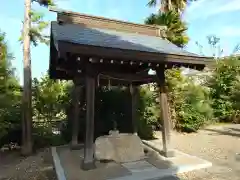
[35, 167]
[218, 144]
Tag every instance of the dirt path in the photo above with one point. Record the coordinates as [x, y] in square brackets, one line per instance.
[217, 144]
[37, 167]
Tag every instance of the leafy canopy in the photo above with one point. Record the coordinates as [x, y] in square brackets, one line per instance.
[39, 27]
[45, 3]
[49, 99]
[171, 5]
[9, 91]
[176, 28]
[224, 83]
[190, 103]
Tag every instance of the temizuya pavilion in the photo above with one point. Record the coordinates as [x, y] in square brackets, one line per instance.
[91, 50]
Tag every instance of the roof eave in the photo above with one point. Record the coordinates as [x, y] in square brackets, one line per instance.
[131, 55]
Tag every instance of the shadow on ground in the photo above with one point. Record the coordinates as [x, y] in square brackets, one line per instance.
[235, 129]
[227, 131]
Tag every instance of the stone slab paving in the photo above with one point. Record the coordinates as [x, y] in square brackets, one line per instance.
[218, 144]
[71, 165]
[154, 166]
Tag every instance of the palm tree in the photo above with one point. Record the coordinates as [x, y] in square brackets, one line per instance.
[176, 28]
[170, 5]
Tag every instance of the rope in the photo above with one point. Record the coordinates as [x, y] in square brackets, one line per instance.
[122, 79]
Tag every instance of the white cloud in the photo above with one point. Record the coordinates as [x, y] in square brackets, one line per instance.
[233, 5]
[194, 5]
[203, 9]
[64, 4]
[229, 31]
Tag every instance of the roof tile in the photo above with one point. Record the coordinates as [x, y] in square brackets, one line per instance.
[114, 39]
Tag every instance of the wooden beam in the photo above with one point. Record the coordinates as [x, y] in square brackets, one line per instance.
[131, 55]
[166, 130]
[88, 162]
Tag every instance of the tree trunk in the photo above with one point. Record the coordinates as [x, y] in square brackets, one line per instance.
[165, 6]
[27, 95]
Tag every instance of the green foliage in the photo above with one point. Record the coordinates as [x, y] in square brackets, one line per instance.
[224, 83]
[171, 5]
[45, 3]
[10, 96]
[109, 111]
[38, 27]
[235, 98]
[44, 137]
[149, 112]
[190, 103]
[49, 99]
[214, 46]
[176, 28]
[113, 106]
[235, 93]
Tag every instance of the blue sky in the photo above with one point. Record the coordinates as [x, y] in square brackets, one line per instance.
[204, 17]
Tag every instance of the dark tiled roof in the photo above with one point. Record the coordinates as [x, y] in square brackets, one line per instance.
[114, 39]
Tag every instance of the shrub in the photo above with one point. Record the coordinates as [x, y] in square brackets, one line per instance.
[114, 105]
[44, 137]
[10, 97]
[189, 101]
[224, 86]
[149, 112]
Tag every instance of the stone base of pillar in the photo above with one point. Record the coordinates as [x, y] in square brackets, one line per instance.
[88, 165]
[168, 154]
[74, 146]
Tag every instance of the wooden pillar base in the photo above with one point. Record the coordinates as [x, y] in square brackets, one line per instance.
[88, 165]
[169, 153]
[76, 146]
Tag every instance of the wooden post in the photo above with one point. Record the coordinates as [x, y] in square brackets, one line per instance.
[88, 162]
[166, 130]
[134, 105]
[77, 94]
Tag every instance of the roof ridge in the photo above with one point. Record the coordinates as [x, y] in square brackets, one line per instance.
[57, 10]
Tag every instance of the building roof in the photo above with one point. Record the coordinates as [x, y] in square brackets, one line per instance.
[125, 46]
[115, 39]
